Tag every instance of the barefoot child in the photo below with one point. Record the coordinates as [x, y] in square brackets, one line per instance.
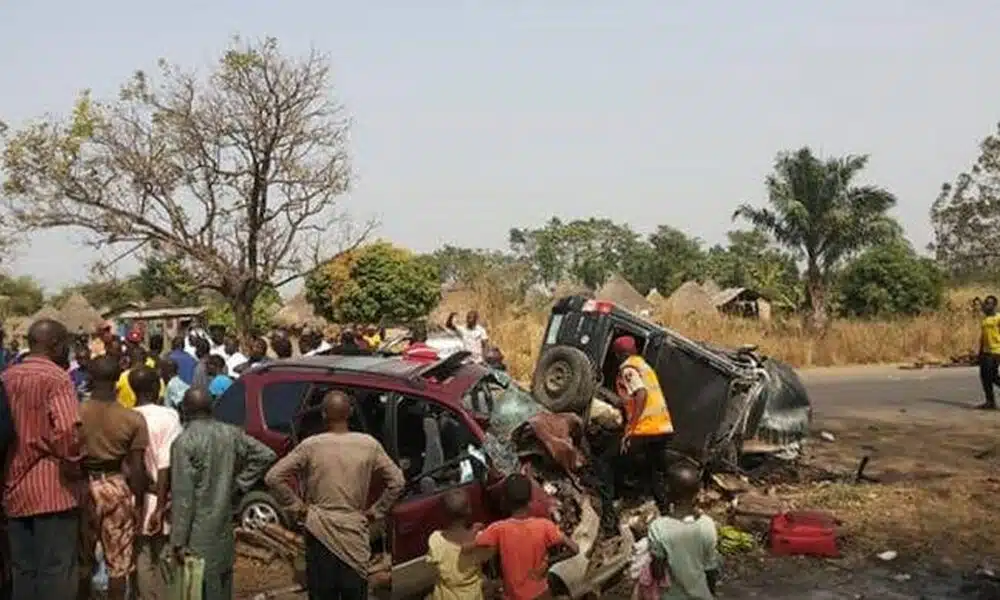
[459, 573]
[683, 544]
[523, 542]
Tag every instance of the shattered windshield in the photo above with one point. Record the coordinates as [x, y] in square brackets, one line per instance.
[512, 406]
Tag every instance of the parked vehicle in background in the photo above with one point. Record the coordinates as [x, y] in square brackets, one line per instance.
[724, 403]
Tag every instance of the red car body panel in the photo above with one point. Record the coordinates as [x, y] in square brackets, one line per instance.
[414, 517]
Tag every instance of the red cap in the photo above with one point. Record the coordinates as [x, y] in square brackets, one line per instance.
[624, 345]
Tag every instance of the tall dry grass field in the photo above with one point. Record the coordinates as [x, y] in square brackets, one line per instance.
[517, 329]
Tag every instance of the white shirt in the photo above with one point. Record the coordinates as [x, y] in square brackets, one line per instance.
[473, 339]
[193, 333]
[219, 350]
[323, 347]
[235, 359]
[164, 425]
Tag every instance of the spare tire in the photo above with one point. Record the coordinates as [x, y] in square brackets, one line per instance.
[564, 380]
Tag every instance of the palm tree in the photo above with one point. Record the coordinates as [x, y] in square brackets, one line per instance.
[816, 212]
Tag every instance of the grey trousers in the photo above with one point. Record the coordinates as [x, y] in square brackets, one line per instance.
[44, 551]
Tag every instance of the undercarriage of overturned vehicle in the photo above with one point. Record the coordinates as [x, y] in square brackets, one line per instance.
[524, 436]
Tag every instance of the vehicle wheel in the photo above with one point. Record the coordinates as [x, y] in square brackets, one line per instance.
[564, 380]
[260, 508]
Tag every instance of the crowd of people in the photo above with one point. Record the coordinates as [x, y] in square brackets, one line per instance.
[114, 458]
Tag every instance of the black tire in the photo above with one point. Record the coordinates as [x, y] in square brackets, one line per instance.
[564, 380]
[259, 500]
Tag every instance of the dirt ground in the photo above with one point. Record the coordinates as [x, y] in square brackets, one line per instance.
[935, 505]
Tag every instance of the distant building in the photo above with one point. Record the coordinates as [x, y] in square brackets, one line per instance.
[742, 302]
[167, 321]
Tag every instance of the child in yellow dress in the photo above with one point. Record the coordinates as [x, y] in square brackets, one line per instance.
[460, 576]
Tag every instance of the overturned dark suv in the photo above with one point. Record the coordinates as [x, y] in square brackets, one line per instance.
[724, 403]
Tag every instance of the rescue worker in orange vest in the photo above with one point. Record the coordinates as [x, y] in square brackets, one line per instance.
[647, 419]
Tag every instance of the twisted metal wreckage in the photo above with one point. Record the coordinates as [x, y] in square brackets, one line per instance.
[725, 405]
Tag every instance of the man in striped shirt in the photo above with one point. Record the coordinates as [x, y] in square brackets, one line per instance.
[40, 492]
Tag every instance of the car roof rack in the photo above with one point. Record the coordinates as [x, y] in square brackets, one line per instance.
[336, 363]
[443, 368]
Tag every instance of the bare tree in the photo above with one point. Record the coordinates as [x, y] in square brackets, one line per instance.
[966, 217]
[237, 172]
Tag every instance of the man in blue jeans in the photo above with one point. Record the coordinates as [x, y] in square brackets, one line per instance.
[39, 496]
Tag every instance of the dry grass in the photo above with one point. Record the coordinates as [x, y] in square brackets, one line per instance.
[518, 330]
[951, 519]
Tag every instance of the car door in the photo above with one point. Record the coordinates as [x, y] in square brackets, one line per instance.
[438, 453]
[280, 403]
[368, 415]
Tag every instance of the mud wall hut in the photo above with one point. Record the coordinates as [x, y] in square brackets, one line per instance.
[742, 302]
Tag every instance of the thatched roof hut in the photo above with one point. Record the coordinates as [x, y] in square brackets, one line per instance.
[298, 314]
[690, 297]
[618, 290]
[79, 316]
[711, 288]
[568, 287]
[18, 327]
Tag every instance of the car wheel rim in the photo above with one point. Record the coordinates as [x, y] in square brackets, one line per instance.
[557, 377]
[257, 515]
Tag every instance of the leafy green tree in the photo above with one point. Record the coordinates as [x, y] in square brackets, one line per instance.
[670, 258]
[22, 296]
[751, 260]
[494, 272]
[237, 173]
[891, 280]
[584, 250]
[462, 265]
[267, 304]
[817, 212]
[966, 218]
[166, 278]
[377, 283]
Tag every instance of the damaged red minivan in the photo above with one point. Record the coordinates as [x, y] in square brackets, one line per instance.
[432, 418]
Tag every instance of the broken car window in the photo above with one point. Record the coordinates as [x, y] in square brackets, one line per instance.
[431, 441]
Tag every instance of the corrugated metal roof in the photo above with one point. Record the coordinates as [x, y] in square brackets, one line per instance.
[162, 313]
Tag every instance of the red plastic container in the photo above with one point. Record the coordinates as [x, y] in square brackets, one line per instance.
[804, 533]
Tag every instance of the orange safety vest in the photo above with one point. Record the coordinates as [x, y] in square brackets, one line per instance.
[655, 417]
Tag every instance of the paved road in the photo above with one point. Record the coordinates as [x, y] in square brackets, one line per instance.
[842, 392]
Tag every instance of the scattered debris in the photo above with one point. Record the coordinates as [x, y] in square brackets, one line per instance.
[988, 453]
[927, 361]
[269, 542]
[733, 541]
[826, 436]
[902, 577]
[859, 475]
[888, 555]
[731, 484]
[754, 512]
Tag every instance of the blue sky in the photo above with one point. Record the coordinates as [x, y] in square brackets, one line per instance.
[474, 117]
